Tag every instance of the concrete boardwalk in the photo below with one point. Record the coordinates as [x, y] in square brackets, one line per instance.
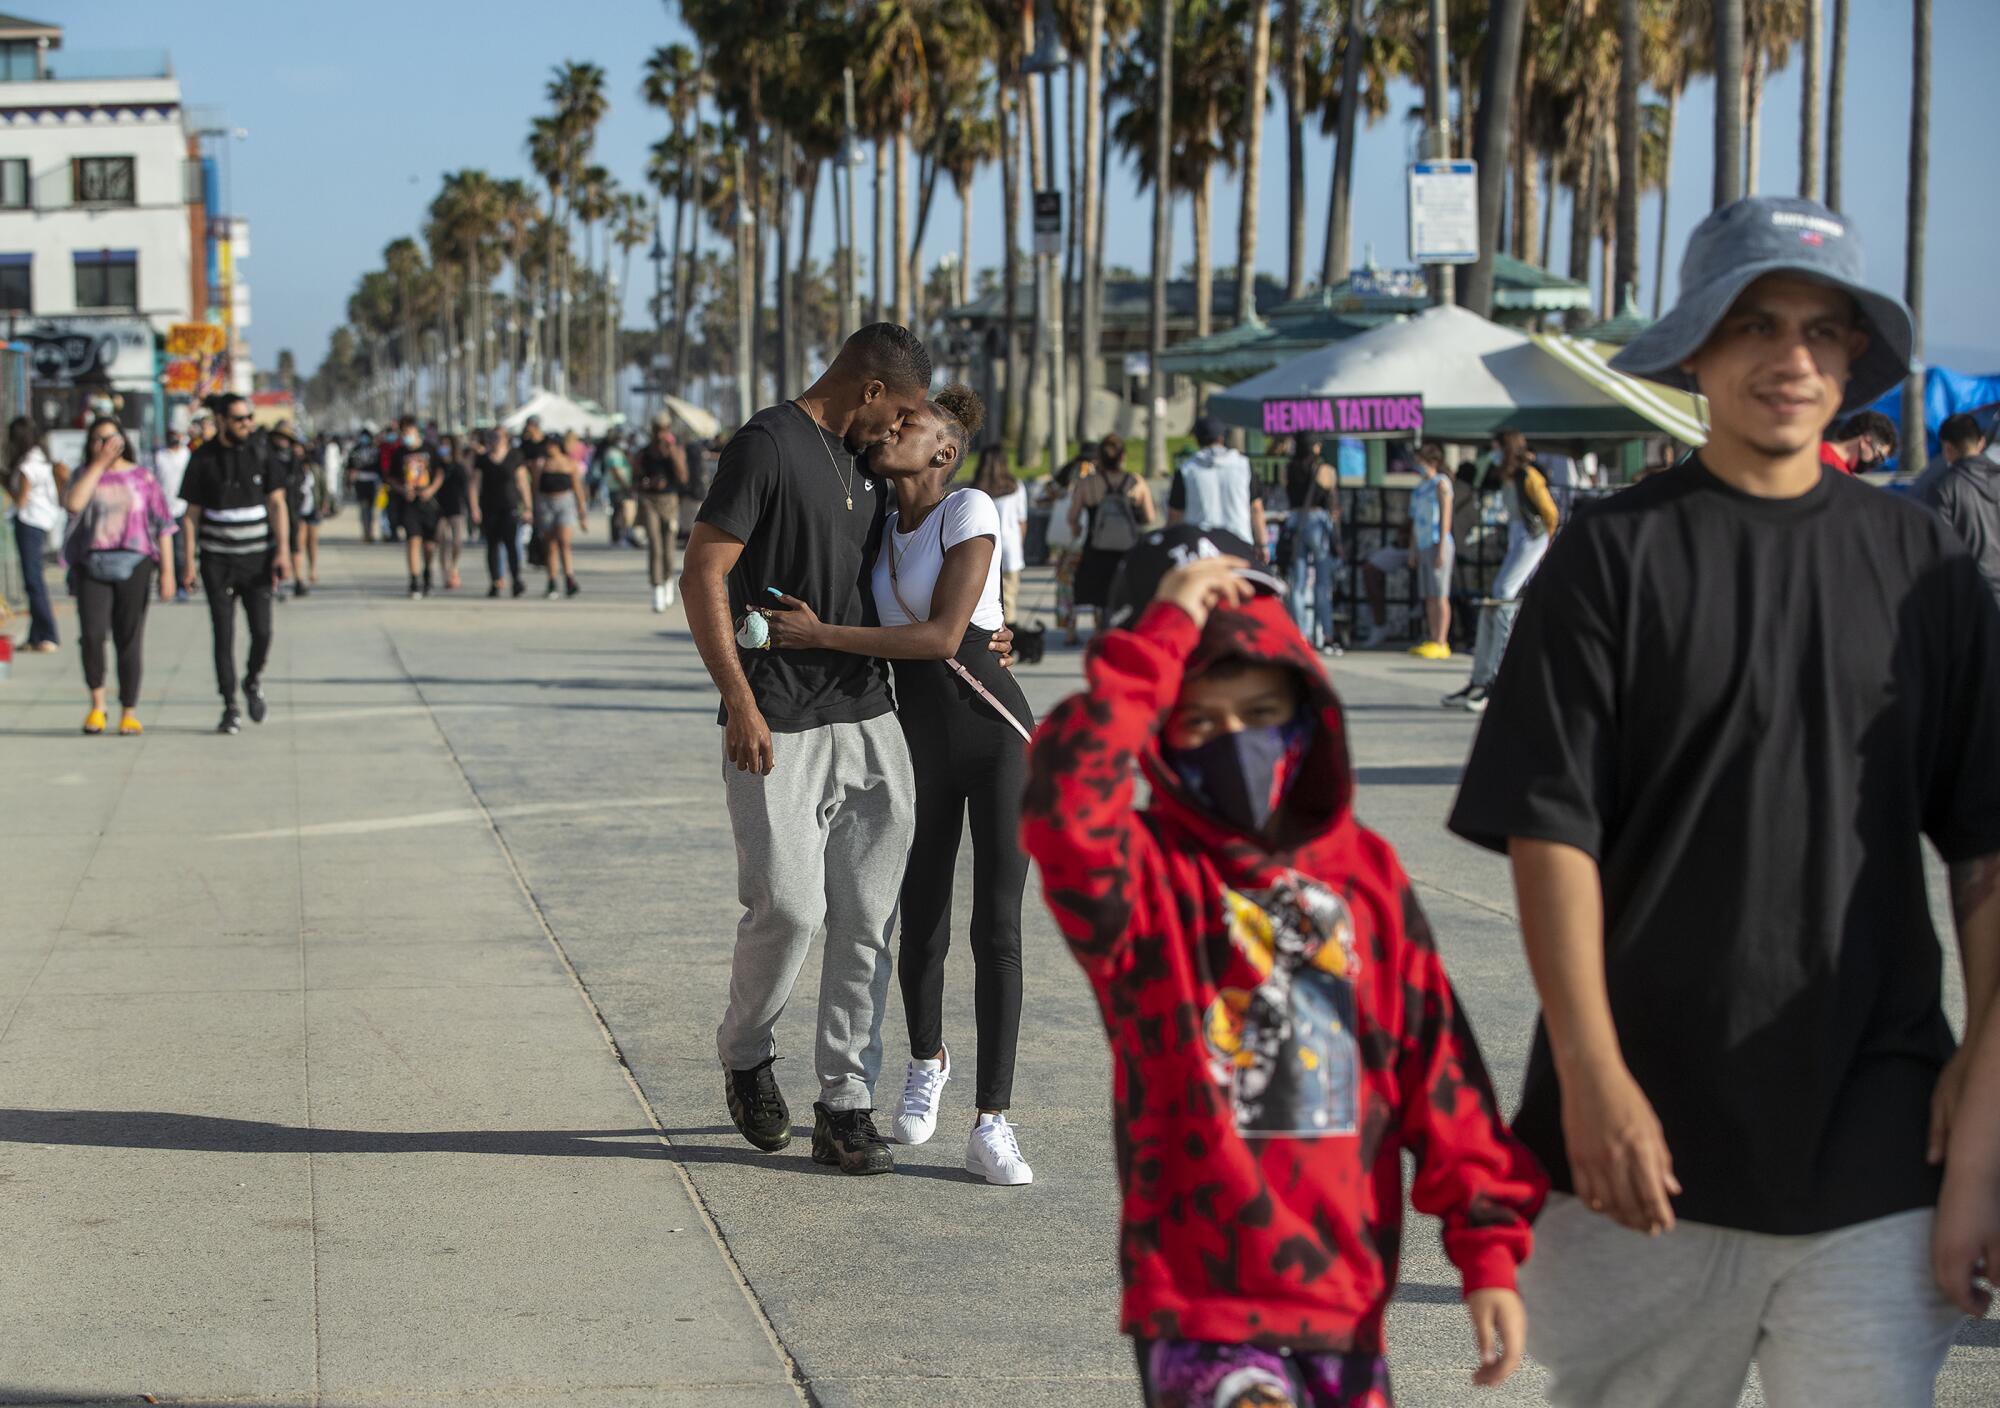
[367, 1058]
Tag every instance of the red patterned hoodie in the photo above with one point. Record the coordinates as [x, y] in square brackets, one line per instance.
[1281, 1026]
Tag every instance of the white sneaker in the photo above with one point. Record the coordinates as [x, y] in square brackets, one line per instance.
[669, 590]
[659, 599]
[915, 1119]
[995, 1155]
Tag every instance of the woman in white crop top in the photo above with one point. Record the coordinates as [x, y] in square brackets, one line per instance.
[936, 584]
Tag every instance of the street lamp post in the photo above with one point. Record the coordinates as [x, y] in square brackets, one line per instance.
[659, 258]
[1047, 59]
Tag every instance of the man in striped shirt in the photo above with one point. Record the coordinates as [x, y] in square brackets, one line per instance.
[236, 504]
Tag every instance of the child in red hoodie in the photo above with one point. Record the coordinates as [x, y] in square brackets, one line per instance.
[1281, 1026]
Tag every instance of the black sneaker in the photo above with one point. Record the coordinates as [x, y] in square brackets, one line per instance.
[1475, 702]
[550, 594]
[519, 586]
[232, 722]
[757, 1106]
[415, 589]
[848, 1138]
[1457, 698]
[253, 695]
[570, 588]
[493, 592]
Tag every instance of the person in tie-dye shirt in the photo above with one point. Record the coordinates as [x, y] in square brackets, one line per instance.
[121, 531]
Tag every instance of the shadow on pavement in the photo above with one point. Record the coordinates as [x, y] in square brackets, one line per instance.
[1445, 775]
[157, 1129]
[60, 1398]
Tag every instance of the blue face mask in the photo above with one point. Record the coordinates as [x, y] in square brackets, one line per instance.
[1243, 777]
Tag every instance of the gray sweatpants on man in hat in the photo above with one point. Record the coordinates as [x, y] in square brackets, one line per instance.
[821, 843]
[1847, 1317]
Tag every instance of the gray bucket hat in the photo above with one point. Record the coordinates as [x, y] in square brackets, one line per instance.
[1739, 244]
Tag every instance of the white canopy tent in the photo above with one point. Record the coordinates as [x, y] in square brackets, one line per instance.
[1476, 378]
[697, 421]
[559, 415]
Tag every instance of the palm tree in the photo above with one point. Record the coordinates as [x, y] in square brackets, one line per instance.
[591, 205]
[1371, 54]
[1497, 88]
[1916, 447]
[1624, 273]
[1163, 151]
[1257, 95]
[1292, 37]
[894, 82]
[968, 139]
[1773, 27]
[631, 229]
[672, 83]
[577, 91]
[1090, 28]
[548, 154]
[1728, 101]
[1836, 102]
[1679, 36]
[403, 260]
[1815, 18]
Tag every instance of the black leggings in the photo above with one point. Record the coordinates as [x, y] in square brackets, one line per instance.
[119, 609]
[224, 579]
[502, 540]
[966, 759]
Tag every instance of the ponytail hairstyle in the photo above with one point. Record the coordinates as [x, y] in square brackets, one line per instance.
[1111, 452]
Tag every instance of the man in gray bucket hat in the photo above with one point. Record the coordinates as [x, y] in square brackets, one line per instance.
[1738, 694]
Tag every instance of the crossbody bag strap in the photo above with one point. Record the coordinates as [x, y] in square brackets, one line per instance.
[896, 590]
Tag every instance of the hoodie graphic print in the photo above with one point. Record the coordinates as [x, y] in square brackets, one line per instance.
[1281, 1027]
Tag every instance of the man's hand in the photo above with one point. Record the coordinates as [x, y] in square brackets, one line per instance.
[796, 627]
[1205, 584]
[1618, 1152]
[1500, 1326]
[749, 742]
[1944, 1105]
[1965, 1240]
[281, 567]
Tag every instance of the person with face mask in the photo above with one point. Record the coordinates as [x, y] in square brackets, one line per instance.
[1281, 1026]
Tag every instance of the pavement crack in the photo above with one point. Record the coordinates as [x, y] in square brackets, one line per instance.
[800, 1384]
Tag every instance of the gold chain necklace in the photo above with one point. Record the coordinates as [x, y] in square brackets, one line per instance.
[848, 486]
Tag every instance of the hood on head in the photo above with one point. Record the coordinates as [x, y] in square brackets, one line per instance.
[1322, 800]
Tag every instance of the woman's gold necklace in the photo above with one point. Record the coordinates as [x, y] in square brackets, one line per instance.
[847, 487]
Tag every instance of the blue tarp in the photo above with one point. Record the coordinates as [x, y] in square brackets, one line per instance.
[1946, 393]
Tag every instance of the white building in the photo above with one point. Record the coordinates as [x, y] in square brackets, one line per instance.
[104, 223]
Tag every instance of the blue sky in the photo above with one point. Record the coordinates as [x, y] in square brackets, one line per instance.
[354, 111]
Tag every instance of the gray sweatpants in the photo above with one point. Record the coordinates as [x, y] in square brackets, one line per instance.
[820, 843]
[1836, 1318]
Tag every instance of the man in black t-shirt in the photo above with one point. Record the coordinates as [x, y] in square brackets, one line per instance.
[1740, 694]
[823, 815]
[236, 507]
[660, 479]
[500, 491]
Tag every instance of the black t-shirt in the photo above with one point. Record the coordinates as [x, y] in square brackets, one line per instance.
[498, 493]
[232, 485]
[782, 491]
[654, 472]
[452, 487]
[1748, 711]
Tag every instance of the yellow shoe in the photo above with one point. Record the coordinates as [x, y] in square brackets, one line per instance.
[130, 726]
[1434, 650]
[93, 722]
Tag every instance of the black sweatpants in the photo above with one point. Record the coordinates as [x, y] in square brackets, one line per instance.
[117, 609]
[968, 762]
[503, 540]
[226, 579]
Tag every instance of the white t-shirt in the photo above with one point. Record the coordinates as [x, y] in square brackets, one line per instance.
[41, 508]
[170, 467]
[918, 558]
[1013, 526]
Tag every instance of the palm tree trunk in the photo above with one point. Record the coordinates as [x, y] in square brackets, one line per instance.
[1809, 99]
[1623, 272]
[901, 240]
[1728, 102]
[808, 209]
[1497, 90]
[684, 293]
[1014, 402]
[1916, 445]
[1582, 215]
[787, 332]
[1836, 102]
[1163, 151]
[1464, 144]
[1293, 38]
[1552, 184]
[1339, 206]
[1090, 344]
[1204, 274]
[1666, 187]
[1036, 386]
[927, 182]
[964, 193]
[1072, 224]
[1253, 154]
[1753, 121]
[881, 229]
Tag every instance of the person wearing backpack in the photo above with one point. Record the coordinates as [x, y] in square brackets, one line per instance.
[1108, 511]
